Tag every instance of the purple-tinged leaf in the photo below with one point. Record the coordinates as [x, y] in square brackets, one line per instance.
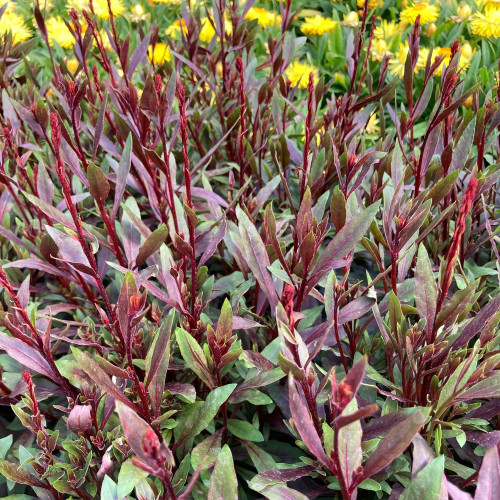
[456, 493]
[99, 125]
[138, 55]
[476, 325]
[365, 412]
[422, 454]
[122, 174]
[425, 288]
[257, 257]
[303, 423]
[100, 377]
[394, 444]
[488, 482]
[25, 355]
[44, 184]
[344, 241]
[157, 361]
[19, 475]
[486, 439]
[140, 436]
[213, 243]
[485, 389]
[355, 309]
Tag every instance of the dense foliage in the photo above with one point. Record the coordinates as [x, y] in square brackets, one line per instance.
[240, 262]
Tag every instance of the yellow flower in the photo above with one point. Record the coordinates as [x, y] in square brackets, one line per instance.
[492, 4]
[397, 64]
[171, 2]
[58, 32]
[466, 54]
[208, 31]
[386, 30]
[351, 19]
[100, 7]
[263, 16]
[486, 25]
[428, 13]
[317, 25]
[72, 65]
[379, 49]
[298, 73]
[102, 11]
[159, 54]
[371, 4]
[138, 14]
[423, 54]
[372, 127]
[14, 23]
[174, 30]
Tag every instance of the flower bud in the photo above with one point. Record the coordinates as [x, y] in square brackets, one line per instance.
[464, 11]
[80, 419]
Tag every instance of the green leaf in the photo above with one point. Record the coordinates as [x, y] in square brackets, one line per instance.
[129, 477]
[109, 490]
[153, 243]
[206, 452]
[223, 483]
[194, 356]
[426, 485]
[442, 188]
[225, 323]
[198, 416]
[244, 430]
[5, 444]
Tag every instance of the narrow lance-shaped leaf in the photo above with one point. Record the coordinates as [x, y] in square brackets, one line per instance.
[488, 483]
[98, 184]
[100, 377]
[99, 125]
[425, 288]
[304, 424]
[194, 356]
[122, 174]
[344, 241]
[26, 355]
[394, 444]
[257, 257]
[153, 243]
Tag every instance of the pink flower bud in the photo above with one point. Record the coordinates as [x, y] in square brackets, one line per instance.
[80, 419]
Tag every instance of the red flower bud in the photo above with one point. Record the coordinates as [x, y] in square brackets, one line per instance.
[56, 131]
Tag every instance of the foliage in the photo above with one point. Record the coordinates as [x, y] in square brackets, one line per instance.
[222, 279]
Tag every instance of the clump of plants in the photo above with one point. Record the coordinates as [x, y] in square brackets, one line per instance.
[221, 284]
